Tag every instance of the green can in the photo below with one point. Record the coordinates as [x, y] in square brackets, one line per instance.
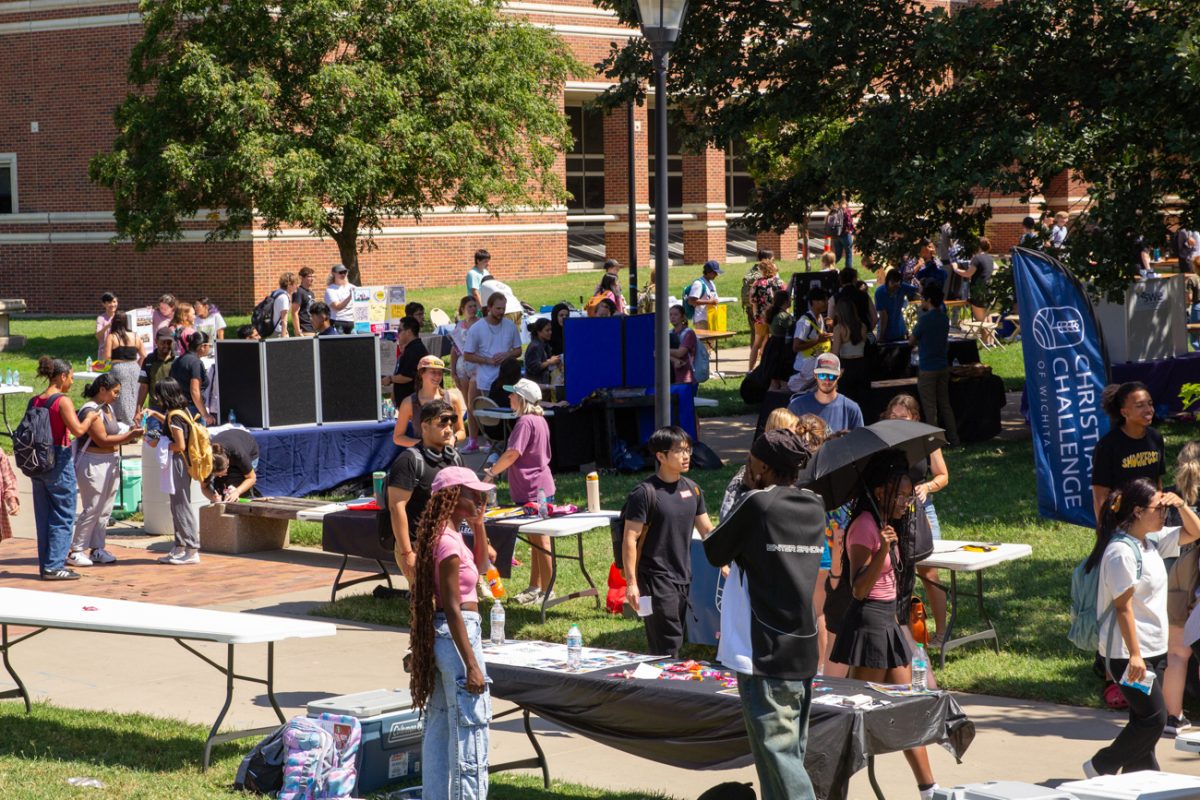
[380, 481]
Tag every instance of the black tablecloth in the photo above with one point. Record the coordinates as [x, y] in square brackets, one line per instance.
[358, 533]
[976, 401]
[893, 360]
[689, 724]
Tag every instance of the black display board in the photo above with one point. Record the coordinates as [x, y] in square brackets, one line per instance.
[240, 381]
[349, 377]
[802, 282]
[291, 369]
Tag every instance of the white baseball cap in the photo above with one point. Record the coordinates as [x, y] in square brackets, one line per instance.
[526, 389]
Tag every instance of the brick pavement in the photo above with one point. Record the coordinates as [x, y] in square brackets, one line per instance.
[216, 580]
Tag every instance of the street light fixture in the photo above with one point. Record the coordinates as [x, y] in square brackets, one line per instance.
[661, 22]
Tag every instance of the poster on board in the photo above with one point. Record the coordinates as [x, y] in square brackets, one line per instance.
[141, 323]
[378, 308]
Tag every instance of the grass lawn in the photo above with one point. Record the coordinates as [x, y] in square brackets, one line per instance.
[139, 757]
[991, 497]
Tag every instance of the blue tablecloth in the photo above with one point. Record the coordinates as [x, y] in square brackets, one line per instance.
[1165, 379]
[294, 462]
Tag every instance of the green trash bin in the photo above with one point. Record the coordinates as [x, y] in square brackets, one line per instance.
[129, 497]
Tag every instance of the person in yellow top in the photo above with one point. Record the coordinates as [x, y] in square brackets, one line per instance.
[811, 338]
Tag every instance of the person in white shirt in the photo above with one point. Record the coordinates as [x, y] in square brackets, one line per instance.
[209, 319]
[281, 306]
[489, 342]
[339, 296]
[702, 294]
[1131, 601]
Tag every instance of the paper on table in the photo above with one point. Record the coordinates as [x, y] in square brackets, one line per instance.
[646, 672]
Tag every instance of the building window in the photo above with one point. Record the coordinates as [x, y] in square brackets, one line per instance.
[674, 168]
[585, 160]
[739, 187]
[8, 183]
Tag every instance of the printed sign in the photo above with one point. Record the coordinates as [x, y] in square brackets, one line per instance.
[1065, 372]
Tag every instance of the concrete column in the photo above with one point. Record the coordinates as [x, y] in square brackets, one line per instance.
[616, 188]
[704, 197]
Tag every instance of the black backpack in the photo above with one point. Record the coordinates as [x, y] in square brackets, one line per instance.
[263, 315]
[261, 771]
[33, 440]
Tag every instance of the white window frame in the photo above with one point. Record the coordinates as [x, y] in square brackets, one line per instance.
[10, 160]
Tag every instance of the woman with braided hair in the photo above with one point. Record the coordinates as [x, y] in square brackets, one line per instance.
[448, 680]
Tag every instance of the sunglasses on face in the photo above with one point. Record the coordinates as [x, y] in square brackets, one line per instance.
[824, 376]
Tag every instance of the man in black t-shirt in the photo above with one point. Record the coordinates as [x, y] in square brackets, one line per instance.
[660, 515]
[409, 352]
[410, 479]
[302, 300]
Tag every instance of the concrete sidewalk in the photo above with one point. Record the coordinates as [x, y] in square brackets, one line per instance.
[1016, 740]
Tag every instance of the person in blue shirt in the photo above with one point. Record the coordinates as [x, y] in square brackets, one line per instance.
[839, 412]
[931, 337]
[890, 300]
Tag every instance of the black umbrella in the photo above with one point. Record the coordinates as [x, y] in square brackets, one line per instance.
[836, 471]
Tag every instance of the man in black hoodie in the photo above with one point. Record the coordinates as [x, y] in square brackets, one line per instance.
[772, 542]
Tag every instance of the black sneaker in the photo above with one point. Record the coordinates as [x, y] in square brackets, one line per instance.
[63, 574]
[1176, 725]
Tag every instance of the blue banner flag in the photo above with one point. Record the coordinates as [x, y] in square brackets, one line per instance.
[1066, 369]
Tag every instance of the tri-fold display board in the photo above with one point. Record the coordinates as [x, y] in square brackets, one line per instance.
[299, 380]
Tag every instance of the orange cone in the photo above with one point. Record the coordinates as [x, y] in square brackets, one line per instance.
[828, 244]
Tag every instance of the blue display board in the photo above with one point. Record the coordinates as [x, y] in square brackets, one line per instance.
[593, 355]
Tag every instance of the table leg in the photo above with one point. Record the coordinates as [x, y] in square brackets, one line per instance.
[339, 584]
[983, 614]
[988, 634]
[553, 577]
[4, 411]
[952, 602]
[215, 738]
[526, 763]
[5, 646]
[871, 777]
[583, 569]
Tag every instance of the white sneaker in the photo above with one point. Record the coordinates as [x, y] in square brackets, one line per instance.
[175, 553]
[102, 556]
[1089, 771]
[186, 557]
[530, 595]
[77, 559]
[927, 794]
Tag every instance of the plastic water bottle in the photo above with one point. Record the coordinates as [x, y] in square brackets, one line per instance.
[88, 364]
[16, 377]
[497, 623]
[574, 648]
[232, 417]
[8, 381]
[543, 511]
[920, 669]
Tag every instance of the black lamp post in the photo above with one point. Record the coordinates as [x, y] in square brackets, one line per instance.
[661, 22]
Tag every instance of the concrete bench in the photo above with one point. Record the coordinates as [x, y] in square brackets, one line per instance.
[257, 525]
[7, 340]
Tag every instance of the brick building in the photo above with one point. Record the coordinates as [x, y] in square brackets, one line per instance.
[62, 72]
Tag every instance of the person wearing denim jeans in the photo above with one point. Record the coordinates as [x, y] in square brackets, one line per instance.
[54, 512]
[449, 682]
[456, 721]
[54, 490]
[772, 541]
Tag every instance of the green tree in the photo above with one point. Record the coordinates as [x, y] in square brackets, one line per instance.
[922, 115]
[332, 115]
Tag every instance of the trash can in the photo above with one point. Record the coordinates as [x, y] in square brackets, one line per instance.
[392, 731]
[129, 497]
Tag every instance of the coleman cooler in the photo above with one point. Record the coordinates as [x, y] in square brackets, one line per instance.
[391, 735]
[1000, 790]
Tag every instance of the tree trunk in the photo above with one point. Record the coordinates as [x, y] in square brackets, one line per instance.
[347, 242]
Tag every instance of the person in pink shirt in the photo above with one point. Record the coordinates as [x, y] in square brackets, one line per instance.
[448, 673]
[527, 459]
[164, 312]
[871, 641]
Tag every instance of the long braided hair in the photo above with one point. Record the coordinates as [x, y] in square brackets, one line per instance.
[437, 516]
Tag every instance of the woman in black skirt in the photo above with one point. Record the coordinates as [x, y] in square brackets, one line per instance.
[870, 640]
[777, 357]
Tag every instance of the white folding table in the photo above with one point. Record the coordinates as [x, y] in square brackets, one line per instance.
[951, 555]
[49, 610]
[5, 391]
[558, 528]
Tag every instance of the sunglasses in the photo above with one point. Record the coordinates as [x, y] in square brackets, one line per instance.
[826, 376]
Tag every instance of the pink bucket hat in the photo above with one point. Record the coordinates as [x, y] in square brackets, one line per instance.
[459, 476]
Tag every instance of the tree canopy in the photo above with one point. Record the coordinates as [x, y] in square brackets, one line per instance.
[332, 115]
[922, 115]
